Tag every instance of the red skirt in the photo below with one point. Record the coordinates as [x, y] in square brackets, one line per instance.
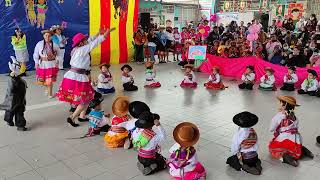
[214, 86]
[277, 149]
[146, 52]
[153, 85]
[188, 85]
[75, 92]
[178, 48]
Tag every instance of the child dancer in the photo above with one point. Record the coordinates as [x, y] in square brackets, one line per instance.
[105, 85]
[127, 78]
[15, 99]
[98, 121]
[310, 85]
[286, 144]
[245, 145]
[118, 135]
[183, 162]
[177, 43]
[189, 80]
[151, 82]
[185, 54]
[147, 140]
[290, 79]
[248, 78]
[267, 81]
[19, 43]
[214, 81]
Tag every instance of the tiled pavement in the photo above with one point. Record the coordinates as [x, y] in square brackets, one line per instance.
[44, 152]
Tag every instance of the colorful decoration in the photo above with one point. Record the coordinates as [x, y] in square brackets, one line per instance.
[213, 17]
[64, 24]
[295, 11]
[227, 6]
[264, 6]
[60, 1]
[8, 3]
[280, 9]
[121, 8]
[118, 47]
[32, 17]
[42, 9]
[203, 31]
[242, 5]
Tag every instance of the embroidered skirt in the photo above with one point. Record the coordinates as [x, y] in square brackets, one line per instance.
[75, 89]
[214, 86]
[47, 72]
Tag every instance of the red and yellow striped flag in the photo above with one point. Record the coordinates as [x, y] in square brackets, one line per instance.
[118, 47]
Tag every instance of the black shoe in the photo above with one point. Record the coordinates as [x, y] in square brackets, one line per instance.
[318, 139]
[83, 120]
[283, 88]
[22, 129]
[290, 160]
[10, 123]
[73, 124]
[306, 152]
[251, 170]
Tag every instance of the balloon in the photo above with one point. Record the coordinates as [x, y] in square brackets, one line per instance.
[213, 17]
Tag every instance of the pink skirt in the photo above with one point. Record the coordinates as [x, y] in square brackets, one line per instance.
[198, 173]
[188, 85]
[75, 92]
[46, 77]
[153, 85]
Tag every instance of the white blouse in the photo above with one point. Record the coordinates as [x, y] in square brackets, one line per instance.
[38, 53]
[155, 141]
[237, 139]
[187, 80]
[217, 78]
[294, 79]
[249, 77]
[271, 80]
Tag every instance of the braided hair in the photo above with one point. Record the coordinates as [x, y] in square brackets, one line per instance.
[289, 109]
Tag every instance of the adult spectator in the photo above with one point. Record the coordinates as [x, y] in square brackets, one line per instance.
[162, 36]
[288, 24]
[152, 44]
[221, 28]
[213, 35]
[312, 23]
[297, 59]
[272, 44]
[139, 40]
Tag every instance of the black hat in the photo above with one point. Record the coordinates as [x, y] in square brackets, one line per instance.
[251, 68]
[313, 72]
[95, 102]
[146, 120]
[97, 95]
[137, 107]
[126, 66]
[245, 119]
[292, 68]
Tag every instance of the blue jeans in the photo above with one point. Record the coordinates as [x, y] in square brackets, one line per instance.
[152, 50]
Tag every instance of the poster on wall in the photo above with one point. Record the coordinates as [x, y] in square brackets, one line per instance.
[295, 11]
[226, 18]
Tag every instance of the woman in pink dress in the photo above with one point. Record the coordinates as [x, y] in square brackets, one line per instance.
[76, 86]
[44, 56]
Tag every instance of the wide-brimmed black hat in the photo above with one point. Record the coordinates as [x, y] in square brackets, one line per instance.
[313, 72]
[251, 68]
[126, 66]
[292, 68]
[137, 107]
[146, 120]
[245, 119]
[95, 102]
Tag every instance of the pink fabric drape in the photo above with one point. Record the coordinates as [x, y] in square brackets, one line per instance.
[236, 66]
